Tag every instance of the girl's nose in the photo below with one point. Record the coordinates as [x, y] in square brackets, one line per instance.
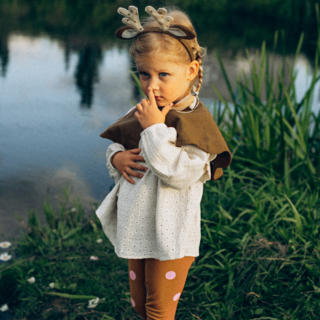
[153, 84]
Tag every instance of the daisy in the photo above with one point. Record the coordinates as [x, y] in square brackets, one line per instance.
[94, 258]
[32, 280]
[99, 241]
[5, 244]
[4, 308]
[5, 256]
[93, 303]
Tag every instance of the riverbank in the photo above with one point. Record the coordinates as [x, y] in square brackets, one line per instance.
[259, 253]
[259, 257]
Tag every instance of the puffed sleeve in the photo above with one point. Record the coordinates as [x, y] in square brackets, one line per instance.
[111, 151]
[177, 167]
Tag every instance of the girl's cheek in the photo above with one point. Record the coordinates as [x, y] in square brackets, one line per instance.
[144, 87]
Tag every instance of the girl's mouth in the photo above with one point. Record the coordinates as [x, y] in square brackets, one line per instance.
[157, 97]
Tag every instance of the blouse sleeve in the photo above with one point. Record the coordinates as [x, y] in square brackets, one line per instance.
[178, 167]
[111, 151]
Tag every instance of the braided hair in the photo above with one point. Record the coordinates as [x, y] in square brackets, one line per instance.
[200, 73]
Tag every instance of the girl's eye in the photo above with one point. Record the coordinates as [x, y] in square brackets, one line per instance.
[163, 74]
[143, 74]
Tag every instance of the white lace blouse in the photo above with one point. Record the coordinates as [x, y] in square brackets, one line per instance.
[158, 216]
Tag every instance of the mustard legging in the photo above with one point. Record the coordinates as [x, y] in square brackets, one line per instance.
[156, 286]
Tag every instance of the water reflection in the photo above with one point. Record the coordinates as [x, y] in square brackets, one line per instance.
[87, 72]
[4, 55]
[48, 140]
[90, 57]
[43, 130]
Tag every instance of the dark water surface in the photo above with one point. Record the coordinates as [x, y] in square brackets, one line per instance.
[54, 103]
[48, 138]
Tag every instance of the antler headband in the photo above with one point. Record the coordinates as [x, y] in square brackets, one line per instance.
[133, 28]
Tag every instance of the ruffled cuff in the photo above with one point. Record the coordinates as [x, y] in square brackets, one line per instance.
[207, 175]
[112, 150]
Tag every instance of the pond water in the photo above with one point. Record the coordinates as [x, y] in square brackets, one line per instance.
[55, 100]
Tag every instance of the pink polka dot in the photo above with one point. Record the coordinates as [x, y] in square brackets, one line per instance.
[133, 303]
[132, 275]
[170, 275]
[176, 297]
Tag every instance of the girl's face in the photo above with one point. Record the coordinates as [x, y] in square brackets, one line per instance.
[169, 81]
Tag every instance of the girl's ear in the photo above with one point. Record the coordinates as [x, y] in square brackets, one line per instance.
[193, 69]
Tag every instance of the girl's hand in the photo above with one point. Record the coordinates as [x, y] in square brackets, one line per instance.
[124, 161]
[148, 113]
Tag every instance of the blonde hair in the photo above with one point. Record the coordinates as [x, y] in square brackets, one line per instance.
[150, 44]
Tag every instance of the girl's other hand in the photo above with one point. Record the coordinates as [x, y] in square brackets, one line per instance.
[148, 112]
[124, 162]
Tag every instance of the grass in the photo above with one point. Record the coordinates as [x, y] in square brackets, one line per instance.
[260, 249]
[259, 259]
[59, 252]
[279, 135]
[258, 240]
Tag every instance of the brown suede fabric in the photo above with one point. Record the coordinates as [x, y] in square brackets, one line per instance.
[196, 127]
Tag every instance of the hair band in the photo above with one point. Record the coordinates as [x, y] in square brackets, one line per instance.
[134, 28]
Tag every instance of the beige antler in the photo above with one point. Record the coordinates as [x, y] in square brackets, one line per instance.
[132, 17]
[160, 16]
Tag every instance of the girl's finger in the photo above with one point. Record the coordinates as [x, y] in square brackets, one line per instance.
[151, 97]
[144, 103]
[166, 108]
[136, 150]
[138, 158]
[133, 173]
[127, 177]
[137, 115]
[139, 107]
[141, 168]
[137, 166]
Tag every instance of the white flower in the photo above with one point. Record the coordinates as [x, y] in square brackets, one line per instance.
[5, 244]
[4, 308]
[5, 257]
[93, 303]
[51, 285]
[99, 241]
[94, 258]
[32, 280]
[73, 210]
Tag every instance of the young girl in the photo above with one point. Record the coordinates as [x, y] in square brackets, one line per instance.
[153, 219]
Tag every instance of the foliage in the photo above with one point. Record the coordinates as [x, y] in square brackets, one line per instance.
[59, 252]
[279, 135]
[260, 251]
[225, 23]
[259, 258]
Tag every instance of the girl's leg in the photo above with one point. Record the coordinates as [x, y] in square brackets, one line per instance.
[137, 285]
[164, 282]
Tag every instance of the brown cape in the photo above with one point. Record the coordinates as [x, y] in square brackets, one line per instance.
[196, 127]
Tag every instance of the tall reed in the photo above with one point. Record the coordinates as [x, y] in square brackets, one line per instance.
[278, 134]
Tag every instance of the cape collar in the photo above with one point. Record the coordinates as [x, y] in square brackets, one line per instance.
[195, 127]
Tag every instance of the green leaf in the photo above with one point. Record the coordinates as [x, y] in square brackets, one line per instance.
[137, 81]
[69, 296]
[296, 214]
[259, 311]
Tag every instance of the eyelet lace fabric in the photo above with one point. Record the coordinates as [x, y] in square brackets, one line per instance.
[159, 216]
